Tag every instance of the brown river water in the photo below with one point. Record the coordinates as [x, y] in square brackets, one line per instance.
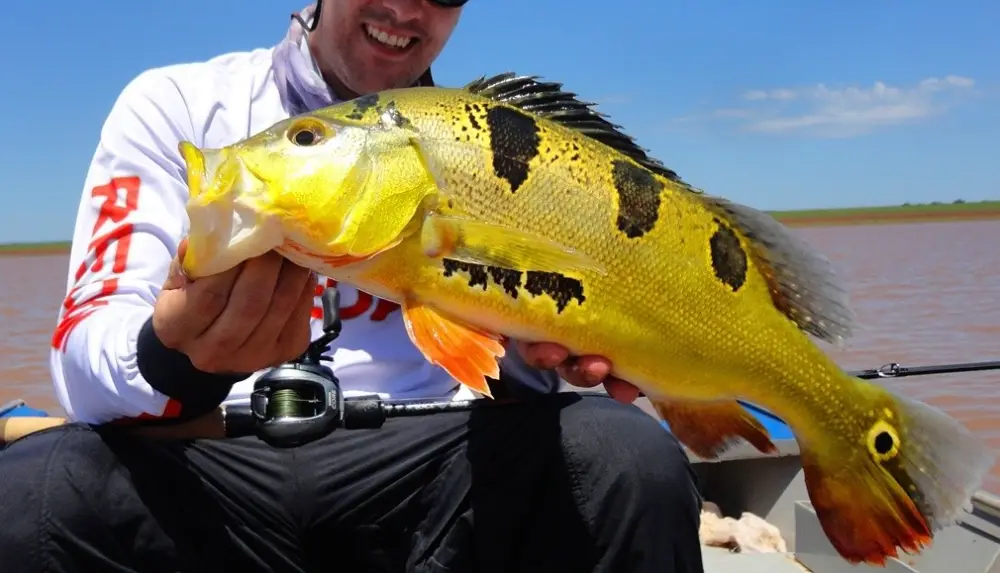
[925, 293]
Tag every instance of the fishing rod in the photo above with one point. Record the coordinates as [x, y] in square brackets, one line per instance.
[894, 370]
[301, 401]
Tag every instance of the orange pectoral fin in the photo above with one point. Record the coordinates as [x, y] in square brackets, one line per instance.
[708, 428]
[468, 354]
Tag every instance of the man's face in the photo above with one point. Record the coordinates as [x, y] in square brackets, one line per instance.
[372, 45]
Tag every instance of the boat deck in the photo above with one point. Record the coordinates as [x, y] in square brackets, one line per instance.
[719, 560]
[773, 488]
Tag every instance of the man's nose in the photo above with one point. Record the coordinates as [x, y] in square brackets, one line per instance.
[404, 10]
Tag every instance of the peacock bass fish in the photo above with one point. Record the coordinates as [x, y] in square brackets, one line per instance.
[509, 208]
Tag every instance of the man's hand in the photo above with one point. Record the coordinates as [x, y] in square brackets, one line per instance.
[253, 316]
[581, 371]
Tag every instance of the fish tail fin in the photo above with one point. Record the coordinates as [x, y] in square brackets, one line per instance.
[219, 237]
[906, 472]
[709, 428]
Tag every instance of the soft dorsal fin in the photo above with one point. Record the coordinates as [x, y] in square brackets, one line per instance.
[549, 101]
[804, 285]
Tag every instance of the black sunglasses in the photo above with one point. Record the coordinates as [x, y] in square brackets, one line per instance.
[449, 3]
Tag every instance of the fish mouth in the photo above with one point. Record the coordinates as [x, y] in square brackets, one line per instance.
[226, 224]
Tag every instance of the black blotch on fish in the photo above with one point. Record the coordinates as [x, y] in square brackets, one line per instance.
[561, 289]
[514, 141]
[729, 260]
[395, 116]
[549, 101]
[638, 198]
[508, 279]
[479, 275]
[473, 120]
[362, 104]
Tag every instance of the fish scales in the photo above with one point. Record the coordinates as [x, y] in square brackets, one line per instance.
[510, 208]
[634, 222]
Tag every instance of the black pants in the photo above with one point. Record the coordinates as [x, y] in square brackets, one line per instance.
[564, 483]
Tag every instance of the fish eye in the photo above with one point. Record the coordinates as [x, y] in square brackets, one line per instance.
[306, 133]
[304, 137]
[883, 441]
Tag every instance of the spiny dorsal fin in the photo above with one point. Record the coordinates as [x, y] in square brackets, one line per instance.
[804, 284]
[548, 100]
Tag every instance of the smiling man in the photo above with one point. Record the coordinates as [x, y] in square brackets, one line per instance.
[559, 482]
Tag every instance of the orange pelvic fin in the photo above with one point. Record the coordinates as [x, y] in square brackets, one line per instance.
[468, 354]
[708, 428]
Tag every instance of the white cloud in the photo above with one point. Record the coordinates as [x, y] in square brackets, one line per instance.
[779, 94]
[844, 111]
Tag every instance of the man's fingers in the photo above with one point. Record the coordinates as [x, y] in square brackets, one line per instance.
[294, 291]
[621, 390]
[185, 313]
[592, 371]
[247, 304]
[585, 371]
[543, 355]
[297, 332]
[175, 276]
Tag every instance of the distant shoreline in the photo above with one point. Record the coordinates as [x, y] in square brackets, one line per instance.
[922, 213]
[917, 213]
[34, 249]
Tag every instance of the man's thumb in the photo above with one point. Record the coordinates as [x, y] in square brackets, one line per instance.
[175, 277]
[182, 248]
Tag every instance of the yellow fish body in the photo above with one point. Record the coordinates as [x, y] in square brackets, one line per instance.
[508, 208]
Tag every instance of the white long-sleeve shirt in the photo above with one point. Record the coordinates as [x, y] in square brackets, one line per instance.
[131, 219]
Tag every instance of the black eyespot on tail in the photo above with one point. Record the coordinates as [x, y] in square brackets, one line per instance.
[729, 260]
[883, 443]
[514, 141]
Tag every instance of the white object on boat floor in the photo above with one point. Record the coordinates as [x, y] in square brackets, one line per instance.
[748, 534]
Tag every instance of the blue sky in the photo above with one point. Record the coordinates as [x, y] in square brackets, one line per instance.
[775, 103]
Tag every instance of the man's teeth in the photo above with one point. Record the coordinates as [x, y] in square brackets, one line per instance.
[386, 38]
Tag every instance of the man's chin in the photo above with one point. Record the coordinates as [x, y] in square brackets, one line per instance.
[383, 81]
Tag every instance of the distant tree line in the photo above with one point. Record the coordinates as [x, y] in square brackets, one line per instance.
[955, 202]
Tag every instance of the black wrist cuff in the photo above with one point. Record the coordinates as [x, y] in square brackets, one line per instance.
[170, 372]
